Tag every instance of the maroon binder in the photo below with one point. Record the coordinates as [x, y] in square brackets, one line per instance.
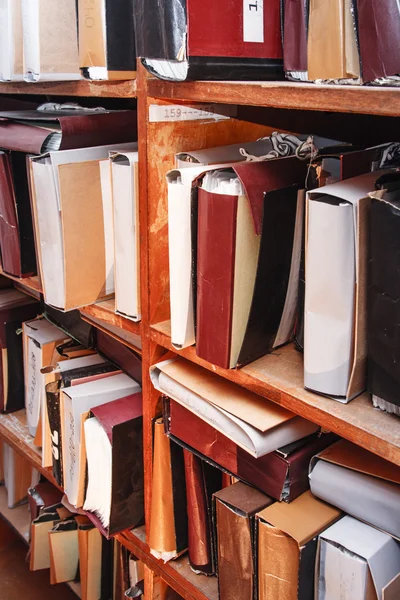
[202, 481]
[379, 38]
[17, 245]
[295, 24]
[217, 29]
[282, 474]
[120, 355]
[272, 191]
[79, 129]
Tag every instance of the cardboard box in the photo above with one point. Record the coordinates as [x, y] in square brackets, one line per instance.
[355, 561]
[335, 345]
[287, 546]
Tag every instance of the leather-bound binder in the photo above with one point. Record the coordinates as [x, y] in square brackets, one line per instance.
[23, 131]
[17, 243]
[235, 509]
[249, 236]
[282, 474]
[379, 39]
[115, 494]
[189, 39]
[202, 481]
[295, 15]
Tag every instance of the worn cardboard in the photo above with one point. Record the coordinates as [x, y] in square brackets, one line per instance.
[332, 45]
[74, 233]
[287, 544]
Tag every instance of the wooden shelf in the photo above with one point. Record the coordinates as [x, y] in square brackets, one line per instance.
[99, 89]
[279, 377]
[31, 285]
[14, 431]
[283, 94]
[176, 573]
[103, 316]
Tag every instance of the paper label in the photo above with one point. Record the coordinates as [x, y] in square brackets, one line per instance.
[176, 112]
[253, 21]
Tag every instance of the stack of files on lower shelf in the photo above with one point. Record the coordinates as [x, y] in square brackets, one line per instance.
[68, 544]
[63, 40]
[81, 405]
[274, 531]
[49, 157]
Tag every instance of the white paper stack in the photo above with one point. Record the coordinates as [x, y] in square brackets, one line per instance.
[124, 167]
[50, 40]
[73, 226]
[11, 41]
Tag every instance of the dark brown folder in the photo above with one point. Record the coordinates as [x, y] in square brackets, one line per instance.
[20, 130]
[295, 25]
[122, 356]
[235, 510]
[282, 474]
[123, 423]
[202, 481]
[379, 38]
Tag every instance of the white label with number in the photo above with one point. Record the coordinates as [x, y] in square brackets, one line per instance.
[176, 112]
[253, 21]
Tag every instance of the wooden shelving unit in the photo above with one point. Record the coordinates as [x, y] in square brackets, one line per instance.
[103, 316]
[262, 108]
[82, 88]
[283, 94]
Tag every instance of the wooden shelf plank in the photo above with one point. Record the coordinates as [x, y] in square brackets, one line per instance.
[14, 431]
[103, 316]
[29, 284]
[176, 573]
[279, 377]
[283, 94]
[99, 89]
